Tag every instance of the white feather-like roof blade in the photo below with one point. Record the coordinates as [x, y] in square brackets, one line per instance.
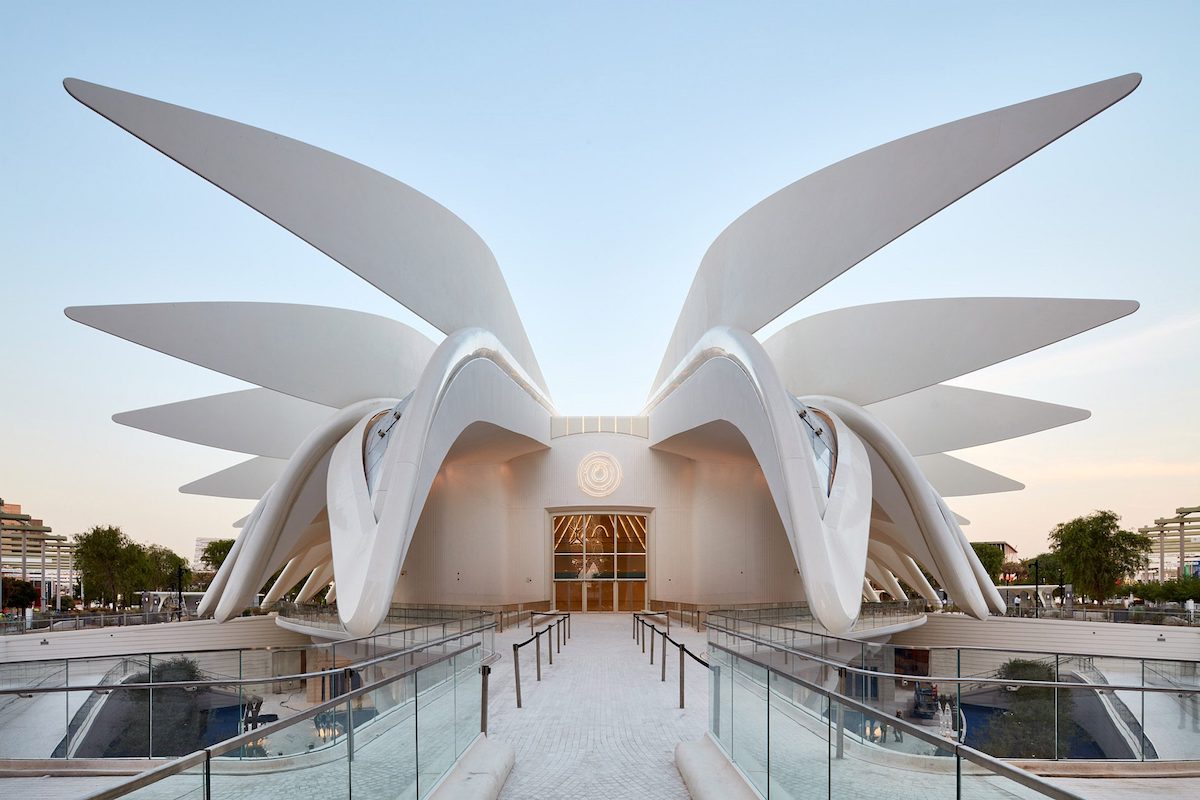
[940, 418]
[405, 244]
[331, 356]
[259, 422]
[803, 236]
[248, 480]
[869, 353]
[953, 477]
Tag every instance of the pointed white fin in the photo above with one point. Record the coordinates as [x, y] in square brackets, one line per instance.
[803, 236]
[330, 356]
[953, 477]
[259, 422]
[248, 480]
[402, 242]
[866, 354]
[940, 418]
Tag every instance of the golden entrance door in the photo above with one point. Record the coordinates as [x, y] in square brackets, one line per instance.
[599, 562]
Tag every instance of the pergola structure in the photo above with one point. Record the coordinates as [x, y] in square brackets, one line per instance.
[1179, 535]
[31, 551]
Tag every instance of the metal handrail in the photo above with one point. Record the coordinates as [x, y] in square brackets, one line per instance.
[267, 648]
[639, 627]
[937, 678]
[930, 648]
[221, 748]
[248, 681]
[1017, 774]
[564, 618]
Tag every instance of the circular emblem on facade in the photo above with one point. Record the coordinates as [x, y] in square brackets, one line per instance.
[599, 474]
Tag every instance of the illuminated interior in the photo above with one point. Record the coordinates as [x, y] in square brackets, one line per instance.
[600, 562]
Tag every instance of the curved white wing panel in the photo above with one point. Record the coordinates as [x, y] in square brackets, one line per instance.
[916, 510]
[248, 480]
[803, 236]
[296, 499]
[295, 570]
[870, 353]
[255, 421]
[213, 593]
[940, 418]
[728, 377]
[885, 579]
[953, 477]
[388, 233]
[318, 580]
[331, 356]
[471, 378]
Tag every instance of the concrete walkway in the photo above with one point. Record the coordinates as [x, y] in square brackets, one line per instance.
[601, 724]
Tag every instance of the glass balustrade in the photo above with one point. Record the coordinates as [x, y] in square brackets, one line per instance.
[1096, 708]
[45, 715]
[396, 737]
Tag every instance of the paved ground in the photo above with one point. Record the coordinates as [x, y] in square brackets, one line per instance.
[601, 724]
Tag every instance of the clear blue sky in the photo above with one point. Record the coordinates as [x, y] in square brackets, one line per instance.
[598, 149]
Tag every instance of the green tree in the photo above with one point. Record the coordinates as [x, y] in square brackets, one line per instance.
[215, 553]
[1096, 554]
[1179, 590]
[992, 558]
[19, 593]
[1049, 570]
[163, 568]
[104, 559]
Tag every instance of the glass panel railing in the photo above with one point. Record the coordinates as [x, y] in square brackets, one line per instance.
[750, 731]
[793, 737]
[435, 724]
[385, 750]
[798, 750]
[720, 693]
[1104, 708]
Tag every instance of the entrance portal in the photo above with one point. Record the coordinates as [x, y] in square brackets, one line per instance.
[600, 562]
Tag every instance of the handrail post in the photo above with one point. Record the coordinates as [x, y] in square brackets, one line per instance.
[517, 671]
[715, 710]
[485, 670]
[568, 625]
[537, 648]
[652, 632]
[664, 659]
[350, 722]
[642, 630]
[681, 675]
[549, 645]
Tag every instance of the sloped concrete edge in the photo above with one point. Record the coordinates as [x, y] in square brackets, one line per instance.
[709, 774]
[480, 773]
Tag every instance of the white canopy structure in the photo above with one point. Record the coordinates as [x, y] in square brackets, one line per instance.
[811, 464]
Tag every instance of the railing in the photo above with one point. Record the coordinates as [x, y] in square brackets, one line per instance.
[794, 737]
[640, 626]
[45, 623]
[1069, 706]
[1134, 615]
[563, 622]
[871, 616]
[395, 737]
[60, 707]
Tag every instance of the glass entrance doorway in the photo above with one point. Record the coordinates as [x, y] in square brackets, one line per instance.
[600, 562]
